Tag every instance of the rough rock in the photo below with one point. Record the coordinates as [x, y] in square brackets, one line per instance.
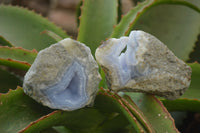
[142, 63]
[63, 76]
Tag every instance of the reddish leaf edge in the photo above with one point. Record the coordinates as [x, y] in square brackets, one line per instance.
[138, 114]
[101, 92]
[41, 118]
[8, 43]
[20, 48]
[107, 92]
[166, 111]
[15, 64]
[37, 14]
[160, 2]
[20, 88]
[141, 117]
[10, 91]
[146, 5]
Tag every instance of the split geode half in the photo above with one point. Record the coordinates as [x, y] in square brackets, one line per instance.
[142, 63]
[63, 76]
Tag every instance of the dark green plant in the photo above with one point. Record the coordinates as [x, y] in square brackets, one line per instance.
[175, 22]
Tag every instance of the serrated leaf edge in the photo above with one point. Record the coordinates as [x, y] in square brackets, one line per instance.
[36, 14]
[166, 111]
[20, 48]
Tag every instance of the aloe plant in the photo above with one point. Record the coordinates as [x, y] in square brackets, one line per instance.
[175, 22]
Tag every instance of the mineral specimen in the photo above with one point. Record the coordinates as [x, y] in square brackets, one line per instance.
[63, 76]
[142, 63]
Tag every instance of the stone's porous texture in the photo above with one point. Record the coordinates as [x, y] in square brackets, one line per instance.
[64, 76]
[142, 63]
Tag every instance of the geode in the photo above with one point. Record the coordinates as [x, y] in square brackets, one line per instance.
[63, 76]
[142, 63]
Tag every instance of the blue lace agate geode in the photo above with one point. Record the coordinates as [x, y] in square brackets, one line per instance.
[142, 63]
[64, 76]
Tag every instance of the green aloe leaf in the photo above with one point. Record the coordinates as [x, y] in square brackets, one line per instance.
[137, 113]
[182, 104]
[26, 115]
[107, 109]
[130, 18]
[18, 110]
[78, 12]
[61, 129]
[83, 121]
[119, 11]
[176, 26]
[129, 21]
[96, 21]
[27, 28]
[190, 101]
[193, 91]
[17, 53]
[15, 64]
[153, 109]
[117, 124]
[115, 104]
[17, 57]
[51, 130]
[8, 81]
[4, 42]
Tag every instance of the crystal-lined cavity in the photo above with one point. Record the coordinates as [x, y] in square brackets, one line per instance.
[70, 91]
[142, 63]
[64, 76]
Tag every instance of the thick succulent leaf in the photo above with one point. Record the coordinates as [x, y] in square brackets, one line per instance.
[176, 26]
[23, 28]
[78, 12]
[194, 55]
[50, 130]
[83, 120]
[61, 129]
[137, 113]
[15, 64]
[106, 109]
[182, 104]
[56, 37]
[18, 110]
[17, 53]
[193, 91]
[96, 21]
[4, 42]
[8, 81]
[119, 11]
[115, 104]
[26, 115]
[130, 18]
[117, 124]
[17, 57]
[190, 101]
[155, 112]
[103, 82]
[128, 22]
